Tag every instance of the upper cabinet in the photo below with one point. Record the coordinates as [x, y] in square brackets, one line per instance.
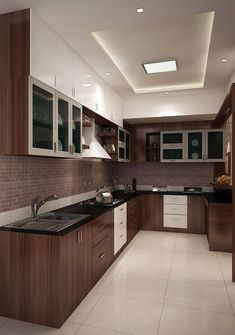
[56, 64]
[215, 145]
[55, 125]
[123, 145]
[172, 146]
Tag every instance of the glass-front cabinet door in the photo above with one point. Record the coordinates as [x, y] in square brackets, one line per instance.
[172, 155]
[215, 145]
[63, 125]
[127, 143]
[42, 119]
[172, 138]
[194, 145]
[76, 145]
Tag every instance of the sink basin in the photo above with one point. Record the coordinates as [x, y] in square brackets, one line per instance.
[51, 221]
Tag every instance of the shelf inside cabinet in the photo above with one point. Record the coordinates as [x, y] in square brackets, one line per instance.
[107, 135]
[152, 147]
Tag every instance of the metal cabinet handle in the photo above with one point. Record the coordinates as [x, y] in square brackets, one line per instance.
[101, 227]
[55, 80]
[121, 236]
[55, 146]
[121, 209]
[121, 222]
[102, 255]
[79, 237]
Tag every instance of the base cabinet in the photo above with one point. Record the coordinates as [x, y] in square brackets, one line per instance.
[196, 214]
[133, 218]
[151, 211]
[43, 277]
[219, 230]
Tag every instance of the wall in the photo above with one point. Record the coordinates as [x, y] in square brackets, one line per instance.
[163, 174]
[24, 178]
[199, 103]
[231, 81]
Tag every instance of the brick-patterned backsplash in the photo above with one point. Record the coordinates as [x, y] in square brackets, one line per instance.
[163, 174]
[24, 178]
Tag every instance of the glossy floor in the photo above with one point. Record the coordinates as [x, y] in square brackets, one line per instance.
[163, 283]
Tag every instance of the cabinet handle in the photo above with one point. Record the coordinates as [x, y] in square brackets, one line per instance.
[102, 255]
[121, 209]
[55, 80]
[101, 227]
[79, 237]
[121, 236]
[55, 146]
[121, 222]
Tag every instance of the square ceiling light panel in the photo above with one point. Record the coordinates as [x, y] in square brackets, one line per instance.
[185, 40]
[158, 67]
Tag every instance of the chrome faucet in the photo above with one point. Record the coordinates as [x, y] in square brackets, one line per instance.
[36, 204]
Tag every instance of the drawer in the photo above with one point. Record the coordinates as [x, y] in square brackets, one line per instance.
[175, 199]
[99, 232]
[175, 221]
[120, 213]
[119, 240]
[101, 258]
[175, 209]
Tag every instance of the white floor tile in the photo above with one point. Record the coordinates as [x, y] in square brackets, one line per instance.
[125, 315]
[3, 321]
[197, 244]
[187, 321]
[85, 330]
[158, 241]
[184, 260]
[14, 327]
[81, 312]
[225, 260]
[211, 297]
[158, 257]
[231, 292]
[201, 275]
[137, 287]
[146, 267]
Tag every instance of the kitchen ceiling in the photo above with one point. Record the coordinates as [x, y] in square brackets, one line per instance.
[198, 34]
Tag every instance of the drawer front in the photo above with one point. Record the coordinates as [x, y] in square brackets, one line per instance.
[175, 209]
[175, 199]
[119, 240]
[175, 221]
[99, 231]
[120, 213]
[101, 258]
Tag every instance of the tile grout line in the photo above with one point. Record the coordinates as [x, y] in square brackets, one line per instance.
[168, 279]
[233, 310]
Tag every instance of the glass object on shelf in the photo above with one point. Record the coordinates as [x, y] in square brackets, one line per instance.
[76, 135]
[172, 138]
[42, 118]
[215, 145]
[127, 146]
[195, 145]
[63, 125]
[121, 153]
[172, 154]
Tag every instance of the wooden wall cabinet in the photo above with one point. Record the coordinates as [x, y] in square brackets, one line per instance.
[151, 211]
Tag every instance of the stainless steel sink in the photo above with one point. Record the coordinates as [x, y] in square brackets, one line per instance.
[52, 221]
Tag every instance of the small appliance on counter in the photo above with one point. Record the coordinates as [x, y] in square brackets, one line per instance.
[103, 195]
[93, 202]
[192, 189]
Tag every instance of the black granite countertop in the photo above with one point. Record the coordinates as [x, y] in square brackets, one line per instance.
[96, 211]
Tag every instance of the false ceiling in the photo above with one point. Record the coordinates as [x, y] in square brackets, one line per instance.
[184, 30]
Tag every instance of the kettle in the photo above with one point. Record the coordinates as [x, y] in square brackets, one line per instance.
[104, 196]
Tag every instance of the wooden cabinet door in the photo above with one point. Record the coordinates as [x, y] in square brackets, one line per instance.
[196, 214]
[151, 211]
[133, 218]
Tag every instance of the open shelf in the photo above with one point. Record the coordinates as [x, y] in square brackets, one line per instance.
[85, 146]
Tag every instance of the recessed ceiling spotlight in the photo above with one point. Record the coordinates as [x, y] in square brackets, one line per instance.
[224, 60]
[166, 92]
[108, 73]
[157, 67]
[86, 85]
[140, 10]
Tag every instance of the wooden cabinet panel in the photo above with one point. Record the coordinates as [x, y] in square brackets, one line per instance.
[220, 227]
[151, 211]
[133, 218]
[196, 214]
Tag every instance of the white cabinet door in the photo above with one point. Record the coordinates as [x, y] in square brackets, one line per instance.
[43, 51]
[95, 93]
[195, 145]
[113, 106]
[120, 227]
[81, 79]
[64, 68]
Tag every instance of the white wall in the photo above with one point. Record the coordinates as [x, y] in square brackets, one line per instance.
[173, 104]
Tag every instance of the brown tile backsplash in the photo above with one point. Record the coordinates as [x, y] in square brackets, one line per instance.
[24, 178]
[163, 174]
